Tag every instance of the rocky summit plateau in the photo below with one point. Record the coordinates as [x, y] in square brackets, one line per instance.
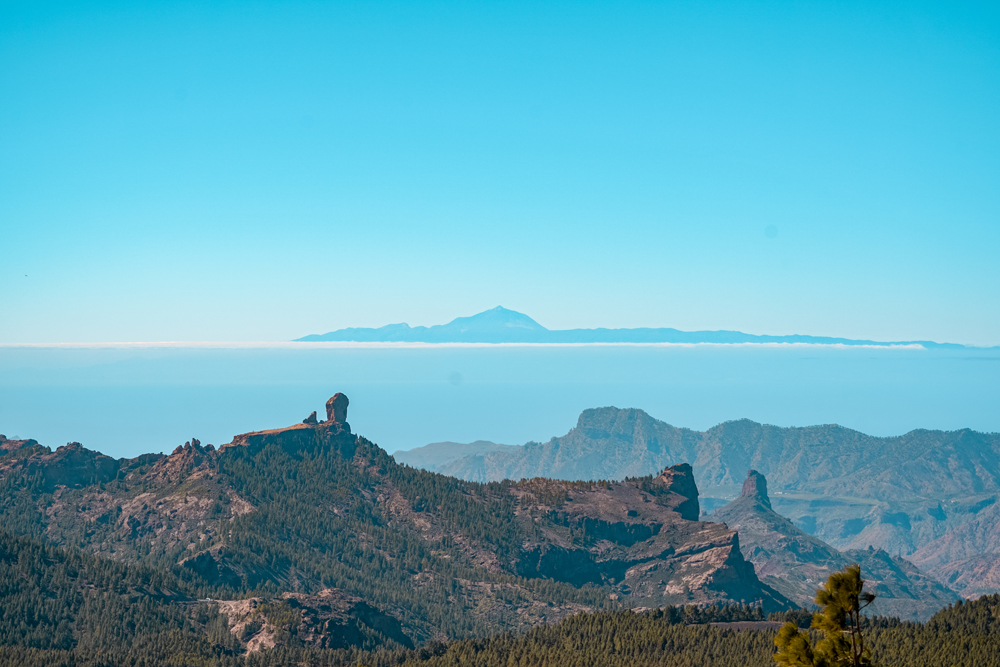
[289, 519]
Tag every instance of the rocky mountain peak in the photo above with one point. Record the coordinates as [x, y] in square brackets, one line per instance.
[755, 486]
[14, 445]
[679, 479]
[336, 408]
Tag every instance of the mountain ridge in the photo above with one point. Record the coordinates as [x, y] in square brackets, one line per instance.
[313, 507]
[795, 563]
[501, 325]
[851, 490]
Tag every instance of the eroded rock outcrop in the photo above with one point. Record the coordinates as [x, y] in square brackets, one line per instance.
[796, 563]
[679, 482]
[755, 486]
[336, 408]
[71, 465]
[309, 434]
[330, 619]
[640, 536]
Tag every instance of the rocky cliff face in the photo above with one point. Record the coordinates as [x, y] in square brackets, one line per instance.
[640, 537]
[755, 488]
[313, 506]
[796, 563]
[614, 443]
[329, 619]
[71, 465]
[849, 489]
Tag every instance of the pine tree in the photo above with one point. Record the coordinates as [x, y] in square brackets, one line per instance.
[841, 599]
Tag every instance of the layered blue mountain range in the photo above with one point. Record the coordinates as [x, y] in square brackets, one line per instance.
[501, 325]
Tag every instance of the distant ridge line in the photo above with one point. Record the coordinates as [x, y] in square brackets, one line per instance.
[501, 325]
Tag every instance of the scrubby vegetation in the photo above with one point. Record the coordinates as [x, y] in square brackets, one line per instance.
[65, 608]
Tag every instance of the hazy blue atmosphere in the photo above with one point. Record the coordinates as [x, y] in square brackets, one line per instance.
[262, 171]
[127, 402]
[682, 320]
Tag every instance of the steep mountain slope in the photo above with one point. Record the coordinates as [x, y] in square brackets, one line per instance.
[438, 454]
[313, 507]
[971, 577]
[52, 598]
[850, 489]
[967, 558]
[796, 564]
[62, 600]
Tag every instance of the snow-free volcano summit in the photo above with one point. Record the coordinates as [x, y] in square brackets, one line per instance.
[501, 325]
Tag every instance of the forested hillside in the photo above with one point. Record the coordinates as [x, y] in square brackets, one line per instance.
[313, 507]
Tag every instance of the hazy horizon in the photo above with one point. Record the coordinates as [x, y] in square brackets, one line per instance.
[195, 172]
[127, 401]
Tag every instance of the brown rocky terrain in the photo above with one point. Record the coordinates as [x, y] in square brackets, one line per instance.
[967, 558]
[7, 446]
[328, 619]
[643, 538]
[971, 577]
[313, 507]
[829, 459]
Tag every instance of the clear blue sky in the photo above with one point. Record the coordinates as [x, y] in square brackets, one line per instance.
[265, 170]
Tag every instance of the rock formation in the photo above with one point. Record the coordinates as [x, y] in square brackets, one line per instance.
[755, 486]
[679, 480]
[336, 409]
[311, 419]
[329, 619]
[796, 563]
[72, 465]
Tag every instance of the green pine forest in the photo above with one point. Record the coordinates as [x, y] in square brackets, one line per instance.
[76, 591]
[60, 607]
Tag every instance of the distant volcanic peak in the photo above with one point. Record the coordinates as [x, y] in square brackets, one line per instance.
[503, 317]
[679, 479]
[755, 486]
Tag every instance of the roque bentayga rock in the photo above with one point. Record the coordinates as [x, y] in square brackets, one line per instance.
[796, 563]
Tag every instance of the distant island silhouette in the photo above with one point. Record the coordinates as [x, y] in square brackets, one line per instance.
[501, 325]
